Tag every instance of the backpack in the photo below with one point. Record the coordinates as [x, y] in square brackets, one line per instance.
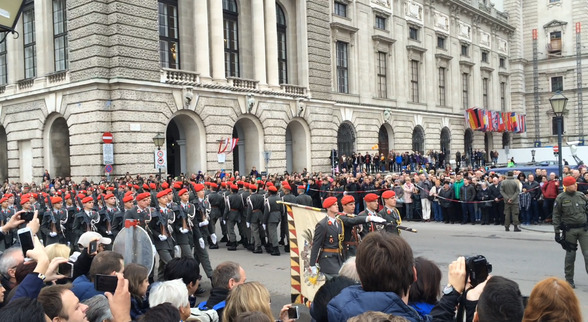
[204, 314]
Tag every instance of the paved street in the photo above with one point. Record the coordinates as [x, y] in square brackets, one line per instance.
[526, 257]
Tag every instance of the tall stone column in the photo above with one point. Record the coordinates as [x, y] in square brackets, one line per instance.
[216, 34]
[202, 49]
[258, 22]
[271, 43]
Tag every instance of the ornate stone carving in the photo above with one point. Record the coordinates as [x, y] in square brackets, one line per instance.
[502, 45]
[414, 11]
[441, 22]
[383, 3]
[465, 31]
[484, 39]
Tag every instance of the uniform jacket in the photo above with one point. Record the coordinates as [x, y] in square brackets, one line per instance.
[327, 236]
[160, 224]
[186, 214]
[273, 211]
[234, 207]
[569, 209]
[509, 189]
[304, 199]
[256, 206]
[217, 205]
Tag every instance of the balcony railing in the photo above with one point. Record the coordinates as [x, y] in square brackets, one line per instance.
[57, 77]
[26, 83]
[293, 89]
[179, 77]
[242, 83]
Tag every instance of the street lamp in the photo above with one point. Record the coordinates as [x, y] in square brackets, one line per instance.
[533, 155]
[159, 140]
[558, 105]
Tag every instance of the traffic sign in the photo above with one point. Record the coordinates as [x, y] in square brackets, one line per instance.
[556, 149]
[107, 137]
[160, 159]
[108, 153]
[108, 168]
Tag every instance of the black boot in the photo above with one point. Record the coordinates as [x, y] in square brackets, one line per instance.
[287, 248]
[232, 246]
[213, 246]
[268, 248]
[516, 228]
[257, 251]
[275, 251]
[224, 239]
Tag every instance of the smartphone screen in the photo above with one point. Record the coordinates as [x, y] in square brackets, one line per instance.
[66, 269]
[27, 216]
[26, 240]
[293, 313]
[105, 283]
[93, 247]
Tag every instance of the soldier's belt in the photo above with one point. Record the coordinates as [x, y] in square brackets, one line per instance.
[233, 209]
[256, 210]
[576, 226]
[213, 206]
[330, 250]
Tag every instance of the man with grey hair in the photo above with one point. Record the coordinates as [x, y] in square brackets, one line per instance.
[226, 276]
[173, 292]
[11, 258]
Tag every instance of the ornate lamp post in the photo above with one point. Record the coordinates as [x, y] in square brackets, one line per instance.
[558, 105]
[159, 140]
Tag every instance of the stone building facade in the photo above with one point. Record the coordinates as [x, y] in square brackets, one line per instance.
[556, 59]
[291, 79]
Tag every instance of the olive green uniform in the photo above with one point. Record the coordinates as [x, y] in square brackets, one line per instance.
[569, 209]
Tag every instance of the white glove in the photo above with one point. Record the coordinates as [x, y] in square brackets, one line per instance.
[52, 234]
[213, 238]
[184, 230]
[263, 226]
[313, 270]
[109, 233]
[248, 224]
[162, 237]
[375, 219]
[203, 223]
[224, 222]
[201, 242]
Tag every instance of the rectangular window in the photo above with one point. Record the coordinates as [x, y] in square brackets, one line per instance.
[282, 55]
[502, 62]
[382, 75]
[414, 81]
[554, 46]
[484, 56]
[169, 42]
[231, 38]
[485, 92]
[342, 67]
[60, 35]
[413, 33]
[557, 84]
[465, 95]
[503, 96]
[441, 86]
[380, 22]
[554, 125]
[30, 47]
[441, 42]
[3, 65]
[340, 9]
[465, 50]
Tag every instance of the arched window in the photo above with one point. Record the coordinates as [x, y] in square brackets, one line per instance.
[445, 141]
[282, 48]
[231, 36]
[418, 139]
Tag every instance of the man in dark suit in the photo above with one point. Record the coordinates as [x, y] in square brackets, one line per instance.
[302, 198]
[327, 243]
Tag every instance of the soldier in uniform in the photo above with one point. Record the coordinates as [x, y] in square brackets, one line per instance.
[202, 224]
[217, 206]
[371, 208]
[287, 197]
[161, 228]
[185, 233]
[87, 219]
[569, 218]
[244, 231]
[254, 218]
[390, 214]
[54, 220]
[72, 210]
[119, 216]
[509, 189]
[271, 218]
[107, 216]
[142, 212]
[327, 242]
[352, 224]
[234, 207]
[5, 214]
[302, 198]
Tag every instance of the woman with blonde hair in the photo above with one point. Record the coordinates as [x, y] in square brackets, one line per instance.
[57, 250]
[553, 300]
[251, 296]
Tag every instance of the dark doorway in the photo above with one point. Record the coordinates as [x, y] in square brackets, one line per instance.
[3, 154]
[172, 136]
[418, 139]
[346, 139]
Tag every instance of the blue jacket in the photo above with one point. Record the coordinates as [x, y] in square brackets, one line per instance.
[83, 288]
[353, 301]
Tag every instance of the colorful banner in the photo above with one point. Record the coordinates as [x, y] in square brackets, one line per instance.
[302, 221]
[491, 121]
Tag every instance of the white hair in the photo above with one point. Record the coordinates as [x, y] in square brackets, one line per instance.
[173, 292]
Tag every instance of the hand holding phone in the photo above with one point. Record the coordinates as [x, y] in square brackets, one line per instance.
[293, 313]
[105, 283]
[25, 237]
[93, 247]
[65, 269]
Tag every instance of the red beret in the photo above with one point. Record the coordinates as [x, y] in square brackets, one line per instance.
[285, 185]
[136, 187]
[388, 194]
[198, 186]
[165, 185]
[3, 199]
[347, 199]
[259, 182]
[56, 200]
[145, 186]
[87, 199]
[128, 198]
[128, 193]
[234, 187]
[24, 200]
[162, 194]
[178, 185]
[34, 195]
[253, 187]
[269, 184]
[143, 195]
[240, 183]
[102, 187]
[152, 186]
[272, 188]
[81, 196]
[108, 196]
[206, 183]
[301, 187]
[168, 191]
[67, 196]
[569, 181]
[213, 185]
[329, 202]
[223, 184]
[370, 197]
[183, 191]
[110, 188]
[8, 195]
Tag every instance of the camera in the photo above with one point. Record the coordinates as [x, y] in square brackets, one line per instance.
[477, 269]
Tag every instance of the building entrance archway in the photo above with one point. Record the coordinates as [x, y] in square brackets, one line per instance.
[488, 144]
[468, 143]
[346, 139]
[297, 138]
[445, 144]
[418, 139]
[385, 143]
[185, 145]
[57, 145]
[247, 153]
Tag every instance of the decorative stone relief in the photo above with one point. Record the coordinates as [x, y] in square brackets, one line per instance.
[441, 22]
[465, 31]
[382, 3]
[484, 39]
[502, 45]
[414, 11]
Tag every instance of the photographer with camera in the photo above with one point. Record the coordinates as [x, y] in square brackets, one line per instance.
[570, 225]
